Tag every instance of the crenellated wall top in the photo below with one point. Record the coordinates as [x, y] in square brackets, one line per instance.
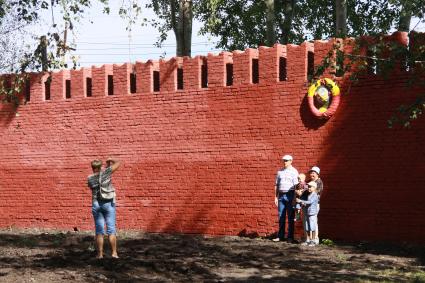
[280, 63]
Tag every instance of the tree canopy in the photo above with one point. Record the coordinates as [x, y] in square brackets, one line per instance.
[18, 16]
[242, 24]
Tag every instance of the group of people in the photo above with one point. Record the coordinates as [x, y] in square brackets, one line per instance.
[293, 195]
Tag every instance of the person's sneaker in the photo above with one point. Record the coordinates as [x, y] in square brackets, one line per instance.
[306, 243]
[276, 240]
[311, 244]
[316, 241]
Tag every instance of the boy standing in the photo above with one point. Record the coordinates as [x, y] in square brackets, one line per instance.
[314, 176]
[310, 213]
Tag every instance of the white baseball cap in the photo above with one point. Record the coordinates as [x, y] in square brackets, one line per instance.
[287, 157]
[315, 169]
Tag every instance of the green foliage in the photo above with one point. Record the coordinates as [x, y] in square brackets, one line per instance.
[176, 16]
[27, 242]
[378, 56]
[164, 22]
[21, 14]
[418, 277]
[49, 49]
[11, 87]
[129, 10]
[242, 24]
[327, 242]
[405, 114]
[238, 24]
[364, 17]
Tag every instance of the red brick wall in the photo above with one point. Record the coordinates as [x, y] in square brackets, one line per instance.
[203, 160]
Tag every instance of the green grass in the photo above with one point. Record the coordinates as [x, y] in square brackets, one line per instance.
[418, 277]
[27, 242]
[327, 242]
[395, 275]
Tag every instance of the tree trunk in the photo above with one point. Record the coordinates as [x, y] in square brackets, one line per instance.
[175, 24]
[270, 21]
[405, 17]
[288, 11]
[187, 28]
[182, 26]
[341, 18]
[43, 48]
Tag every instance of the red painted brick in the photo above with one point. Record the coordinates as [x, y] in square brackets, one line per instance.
[206, 163]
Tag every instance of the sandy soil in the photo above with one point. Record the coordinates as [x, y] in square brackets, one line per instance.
[53, 256]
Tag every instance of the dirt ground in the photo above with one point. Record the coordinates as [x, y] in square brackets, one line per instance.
[52, 256]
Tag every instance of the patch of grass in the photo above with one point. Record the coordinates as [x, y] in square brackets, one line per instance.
[418, 277]
[27, 242]
[130, 234]
[394, 275]
[91, 248]
[341, 257]
[368, 281]
[383, 276]
[327, 242]
[57, 242]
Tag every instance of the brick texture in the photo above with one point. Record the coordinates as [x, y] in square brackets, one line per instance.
[203, 160]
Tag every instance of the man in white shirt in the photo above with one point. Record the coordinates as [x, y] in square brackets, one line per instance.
[286, 181]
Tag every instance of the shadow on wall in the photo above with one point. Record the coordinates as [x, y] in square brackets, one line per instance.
[306, 116]
[371, 172]
[170, 199]
[204, 201]
[184, 217]
[7, 113]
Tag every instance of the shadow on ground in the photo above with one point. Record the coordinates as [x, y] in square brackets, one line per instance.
[183, 258]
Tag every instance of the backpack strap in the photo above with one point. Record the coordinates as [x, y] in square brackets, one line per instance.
[98, 195]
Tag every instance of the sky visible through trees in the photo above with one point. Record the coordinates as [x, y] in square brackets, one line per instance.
[103, 39]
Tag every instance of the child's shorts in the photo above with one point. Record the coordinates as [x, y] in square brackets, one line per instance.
[310, 223]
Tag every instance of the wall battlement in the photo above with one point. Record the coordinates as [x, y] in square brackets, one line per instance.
[280, 63]
[251, 66]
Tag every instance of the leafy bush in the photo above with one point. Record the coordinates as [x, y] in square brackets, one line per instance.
[327, 242]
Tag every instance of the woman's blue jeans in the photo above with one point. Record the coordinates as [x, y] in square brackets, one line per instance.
[104, 212]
